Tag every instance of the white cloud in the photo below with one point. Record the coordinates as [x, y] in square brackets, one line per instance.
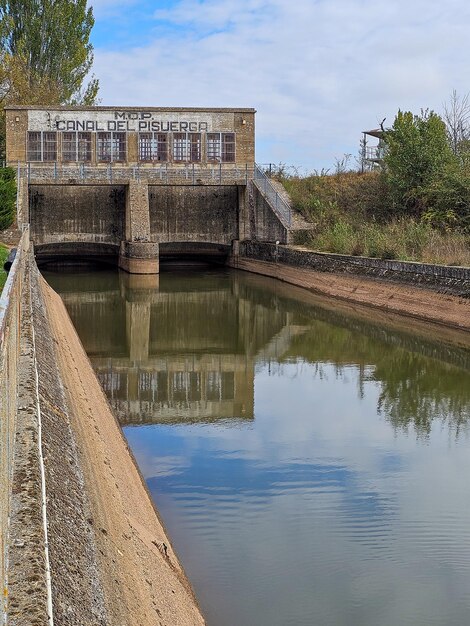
[318, 72]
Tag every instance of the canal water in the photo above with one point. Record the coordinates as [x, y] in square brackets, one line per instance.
[310, 461]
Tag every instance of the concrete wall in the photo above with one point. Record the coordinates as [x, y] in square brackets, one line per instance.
[67, 213]
[441, 278]
[23, 554]
[38, 449]
[192, 213]
[263, 223]
[10, 310]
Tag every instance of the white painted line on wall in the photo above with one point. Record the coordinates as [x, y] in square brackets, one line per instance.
[43, 479]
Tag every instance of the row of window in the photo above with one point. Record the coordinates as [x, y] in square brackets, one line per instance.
[176, 386]
[112, 146]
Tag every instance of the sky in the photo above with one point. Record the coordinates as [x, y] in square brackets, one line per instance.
[318, 72]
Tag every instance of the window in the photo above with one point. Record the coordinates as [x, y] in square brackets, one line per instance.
[84, 147]
[118, 146]
[187, 147]
[213, 147]
[69, 146]
[34, 146]
[221, 147]
[180, 147]
[195, 143]
[76, 146]
[42, 146]
[153, 147]
[103, 147]
[228, 147]
[111, 147]
[145, 146]
[49, 146]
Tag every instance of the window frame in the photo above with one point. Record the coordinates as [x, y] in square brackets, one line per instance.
[190, 149]
[116, 141]
[221, 147]
[157, 147]
[78, 146]
[47, 146]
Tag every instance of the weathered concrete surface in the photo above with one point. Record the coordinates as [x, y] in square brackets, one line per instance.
[441, 278]
[139, 257]
[141, 579]
[25, 584]
[77, 593]
[68, 213]
[47, 490]
[263, 223]
[193, 213]
[107, 556]
[22, 558]
[393, 296]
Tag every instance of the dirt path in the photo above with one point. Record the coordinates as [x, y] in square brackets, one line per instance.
[144, 584]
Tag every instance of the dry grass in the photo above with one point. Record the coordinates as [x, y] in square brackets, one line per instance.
[447, 250]
[350, 213]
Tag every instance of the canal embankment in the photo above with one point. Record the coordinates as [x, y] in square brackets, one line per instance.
[434, 293]
[81, 540]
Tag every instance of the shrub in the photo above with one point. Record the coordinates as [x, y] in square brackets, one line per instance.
[418, 152]
[3, 258]
[7, 197]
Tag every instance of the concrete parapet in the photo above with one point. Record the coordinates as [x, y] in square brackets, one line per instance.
[139, 257]
[21, 565]
[22, 209]
[440, 278]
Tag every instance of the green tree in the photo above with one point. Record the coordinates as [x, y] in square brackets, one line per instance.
[7, 196]
[418, 151]
[51, 39]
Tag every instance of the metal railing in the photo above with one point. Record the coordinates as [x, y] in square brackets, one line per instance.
[276, 202]
[164, 173]
[374, 153]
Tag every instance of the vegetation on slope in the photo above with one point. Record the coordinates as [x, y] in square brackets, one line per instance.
[7, 196]
[416, 207]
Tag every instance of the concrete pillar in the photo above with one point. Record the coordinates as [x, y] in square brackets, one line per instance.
[22, 216]
[139, 257]
[138, 253]
[243, 214]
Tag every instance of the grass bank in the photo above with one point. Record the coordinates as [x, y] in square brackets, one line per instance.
[3, 256]
[350, 213]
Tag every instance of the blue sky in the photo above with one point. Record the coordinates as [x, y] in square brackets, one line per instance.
[317, 71]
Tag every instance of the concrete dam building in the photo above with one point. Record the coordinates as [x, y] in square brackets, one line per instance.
[131, 185]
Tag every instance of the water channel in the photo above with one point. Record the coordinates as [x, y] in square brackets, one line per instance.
[310, 461]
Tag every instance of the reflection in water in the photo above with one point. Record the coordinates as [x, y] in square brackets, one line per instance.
[274, 437]
[170, 348]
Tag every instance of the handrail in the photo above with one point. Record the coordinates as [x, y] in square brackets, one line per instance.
[277, 203]
[162, 173]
